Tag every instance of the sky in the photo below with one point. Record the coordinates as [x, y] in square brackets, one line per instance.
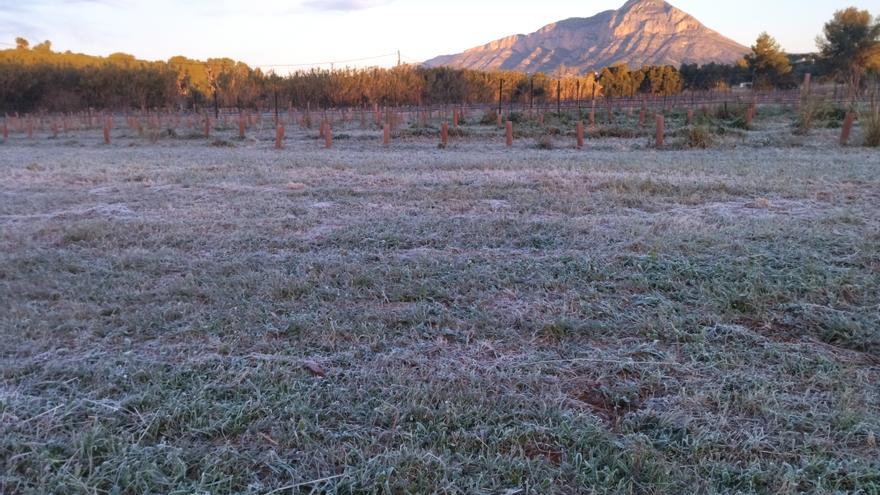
[290, 34]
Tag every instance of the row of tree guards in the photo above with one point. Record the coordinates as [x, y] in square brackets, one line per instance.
[387, 120]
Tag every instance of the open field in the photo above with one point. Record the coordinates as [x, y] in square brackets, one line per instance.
[178, 317]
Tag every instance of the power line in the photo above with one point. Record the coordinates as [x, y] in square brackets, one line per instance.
[331, 62]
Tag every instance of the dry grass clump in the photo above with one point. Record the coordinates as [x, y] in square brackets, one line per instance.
[544, 142]
[870, 122]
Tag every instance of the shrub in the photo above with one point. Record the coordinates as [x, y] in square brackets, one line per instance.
[698, 137]
[871, 124]
[806, 115]
[490, 117]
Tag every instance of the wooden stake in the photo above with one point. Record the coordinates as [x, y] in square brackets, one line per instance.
[509, 133]
[107, 131]
[444, 134]
[279, 135]
[328, 136]
[661, 125]
[580, 134]
[242, 127]
[847, 128]
[386, 135]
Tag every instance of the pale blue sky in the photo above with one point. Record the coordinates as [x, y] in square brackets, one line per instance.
[304, 31]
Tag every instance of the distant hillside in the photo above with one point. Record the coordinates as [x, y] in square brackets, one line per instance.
[642, 32]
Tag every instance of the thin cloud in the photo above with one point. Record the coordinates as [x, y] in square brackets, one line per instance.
[344, 5]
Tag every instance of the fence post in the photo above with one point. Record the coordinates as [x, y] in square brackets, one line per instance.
[847, 128]
[279, 135]
[580, 134]
[661, 124]
[509, 133]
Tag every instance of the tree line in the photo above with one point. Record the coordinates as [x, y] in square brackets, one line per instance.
[40, 79]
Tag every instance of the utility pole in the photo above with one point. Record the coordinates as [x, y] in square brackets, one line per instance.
[531, 92]
[558, 96]
[398, 58]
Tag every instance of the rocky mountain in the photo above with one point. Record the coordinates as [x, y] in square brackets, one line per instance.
[642, 32]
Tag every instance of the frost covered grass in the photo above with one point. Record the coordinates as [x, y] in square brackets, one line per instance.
[184, 318]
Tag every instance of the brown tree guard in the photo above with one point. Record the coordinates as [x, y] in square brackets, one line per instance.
[499, 120]
[328, 136]
[580, 134]
[455, 118]
[593, 116]
[386, 135]
[444, 134]
[241, 126]
[509, 133]
[847, 128]
[690, 117]
[279, 136]
[321, 129]
[207, 126]
[107, 131]
[642, 115]
[661, 125]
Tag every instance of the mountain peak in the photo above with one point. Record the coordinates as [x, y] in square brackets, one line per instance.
[641, 32]
[631, 4]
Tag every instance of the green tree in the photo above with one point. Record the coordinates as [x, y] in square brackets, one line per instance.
[850, 45]
[768, 63]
